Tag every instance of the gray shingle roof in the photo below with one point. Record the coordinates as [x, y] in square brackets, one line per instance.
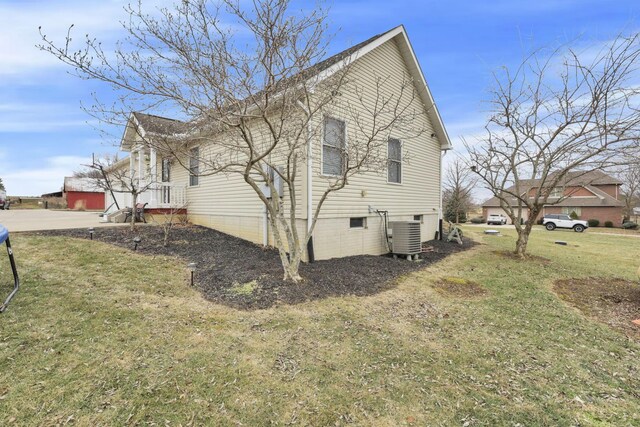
[594, 177]
[166, 126]
[87, 185]
[160, 125]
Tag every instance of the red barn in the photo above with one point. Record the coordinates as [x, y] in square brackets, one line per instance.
[83, 193]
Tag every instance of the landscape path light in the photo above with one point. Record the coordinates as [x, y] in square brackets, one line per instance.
[136, 241]
[192, 267]
[91, 231]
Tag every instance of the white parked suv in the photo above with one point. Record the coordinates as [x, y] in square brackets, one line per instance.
[496, 219]
[551, 222]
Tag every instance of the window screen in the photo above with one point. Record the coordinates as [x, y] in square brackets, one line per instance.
[333, 146]
[394, 150]
[356, 222]
[194, 166]
[166, 170]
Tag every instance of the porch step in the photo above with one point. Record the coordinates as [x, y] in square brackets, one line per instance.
[117, 216]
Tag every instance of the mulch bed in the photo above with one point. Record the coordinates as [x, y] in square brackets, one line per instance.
[615, 302]
[226, 263]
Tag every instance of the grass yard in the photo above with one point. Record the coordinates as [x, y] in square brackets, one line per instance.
[606, 230]
[25, 202]
[99, 335]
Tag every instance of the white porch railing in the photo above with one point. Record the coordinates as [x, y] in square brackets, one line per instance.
[171, 196]
[165, 195]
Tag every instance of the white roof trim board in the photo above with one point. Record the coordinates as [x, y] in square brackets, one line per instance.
[414, 67]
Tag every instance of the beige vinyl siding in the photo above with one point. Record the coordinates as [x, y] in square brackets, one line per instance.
[221, 194]
[334, 238]
[227, 194]
[419, 191]
[227, 203]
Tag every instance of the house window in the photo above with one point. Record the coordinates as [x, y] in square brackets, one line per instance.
[359, 222]
[394, 162]
[333, 145]
[568, 210]
[194, 166]
[166, 170]
[417, 218]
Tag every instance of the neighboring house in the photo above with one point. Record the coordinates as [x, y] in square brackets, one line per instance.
[591, 195]
[83, 193]
[409, 190]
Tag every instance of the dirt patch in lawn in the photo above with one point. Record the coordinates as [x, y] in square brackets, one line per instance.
[459, 287]
[615, 302]
[243, 275]
[527, 257]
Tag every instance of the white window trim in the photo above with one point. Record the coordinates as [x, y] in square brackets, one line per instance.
[346, 144]
[552, 193]
[401, 163]
[566, 210]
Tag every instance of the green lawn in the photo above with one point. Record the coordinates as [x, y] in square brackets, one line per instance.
[99, 335]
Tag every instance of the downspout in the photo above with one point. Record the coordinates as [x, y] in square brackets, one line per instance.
[265, 213]
[440, 216]
[310, 253]
[265, 226]
[309, 180]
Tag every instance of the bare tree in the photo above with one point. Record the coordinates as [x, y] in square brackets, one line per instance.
[553, 121]
[168, 219]
[87, 172]
[630, 177]
[120, 178]
[457, 186]
[256, 99]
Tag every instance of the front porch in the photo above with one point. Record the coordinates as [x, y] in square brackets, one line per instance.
[159, 190]
[164, 195]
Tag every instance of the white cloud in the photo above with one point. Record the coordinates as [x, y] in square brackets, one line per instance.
[19, 30]
[19, 34]
[45, 179]
[17, 117]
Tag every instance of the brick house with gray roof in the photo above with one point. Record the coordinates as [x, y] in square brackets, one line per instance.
[591, 195]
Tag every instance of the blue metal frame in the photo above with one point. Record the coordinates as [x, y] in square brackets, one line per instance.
[4, 237]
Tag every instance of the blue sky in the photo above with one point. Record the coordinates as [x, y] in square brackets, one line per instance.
[44, 135]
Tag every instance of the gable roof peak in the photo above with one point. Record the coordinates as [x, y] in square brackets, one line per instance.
[158, 124]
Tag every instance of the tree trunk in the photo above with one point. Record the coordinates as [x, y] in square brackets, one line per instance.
[521, 243]
[523, 237]
[291, 261]
[291, 270]
[132, 222]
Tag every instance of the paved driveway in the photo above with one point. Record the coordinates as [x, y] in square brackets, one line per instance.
[42, 219]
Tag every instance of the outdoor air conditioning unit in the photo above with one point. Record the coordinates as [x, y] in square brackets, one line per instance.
[405, 238]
